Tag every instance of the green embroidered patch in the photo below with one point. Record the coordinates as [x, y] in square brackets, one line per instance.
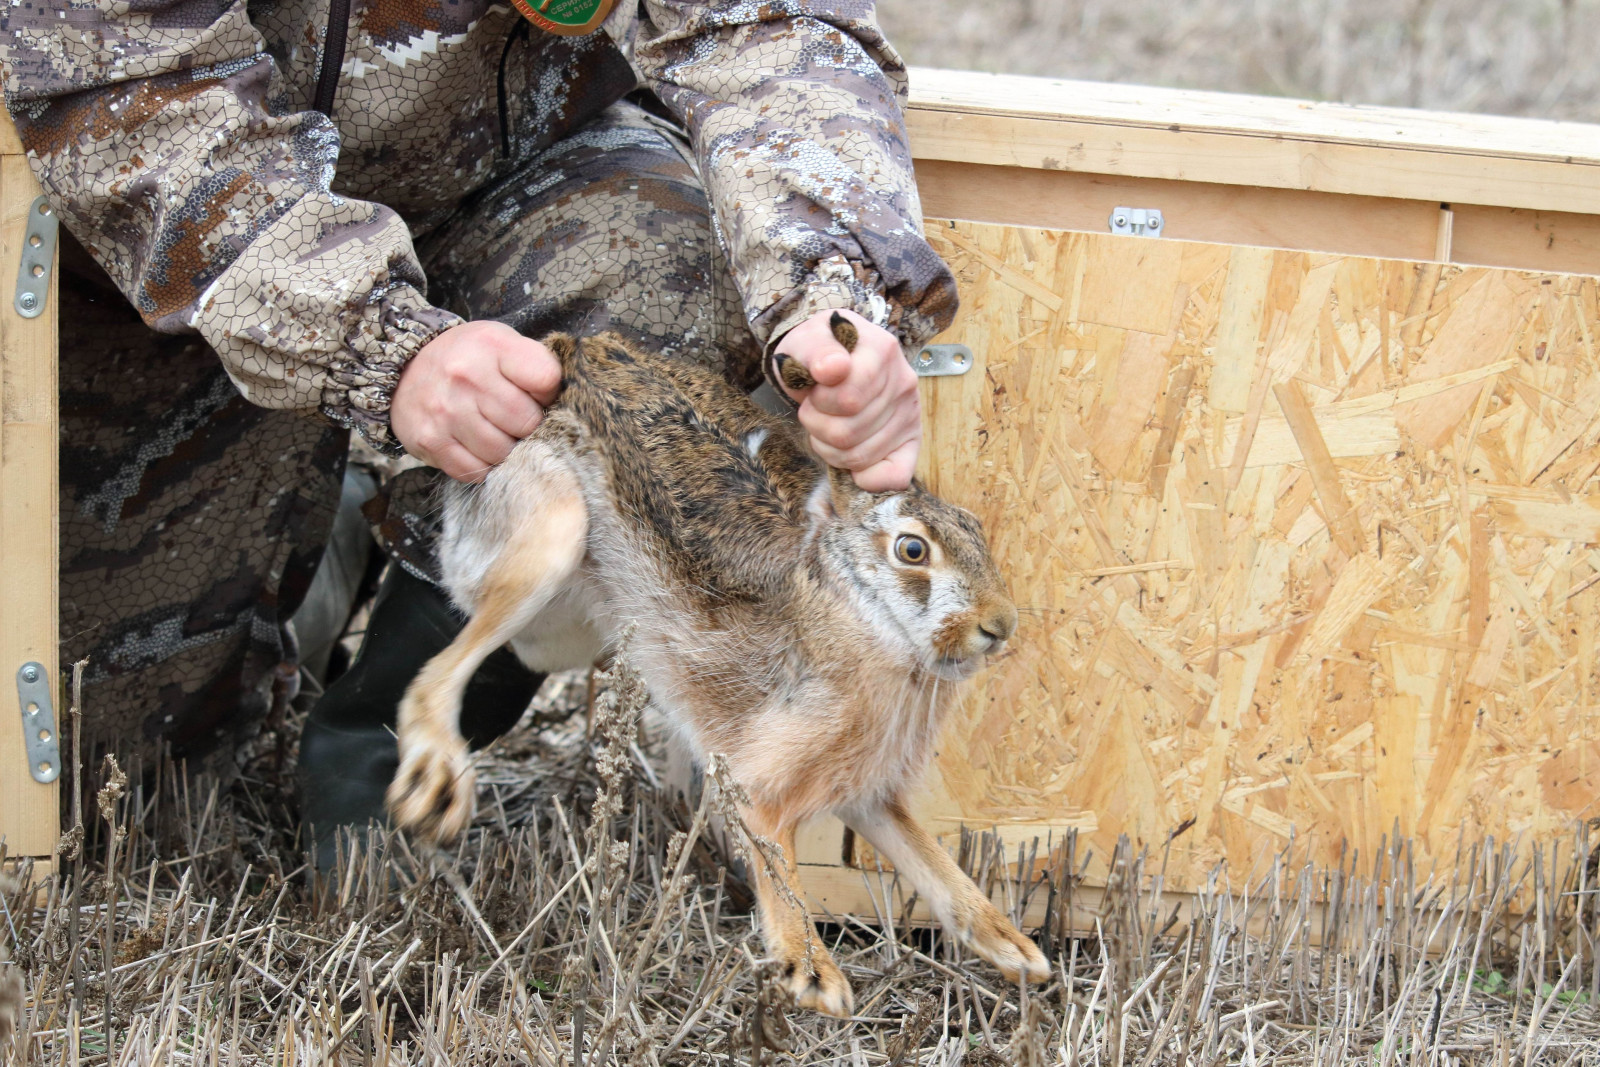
[570, 18]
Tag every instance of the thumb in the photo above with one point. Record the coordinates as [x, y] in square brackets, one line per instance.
[828, 362]
[822, 367]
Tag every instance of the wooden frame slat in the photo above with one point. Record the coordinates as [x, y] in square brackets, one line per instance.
[29, 820]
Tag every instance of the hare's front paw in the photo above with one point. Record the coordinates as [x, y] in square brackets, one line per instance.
[1015, 955]
[817, 984]
[432, 793]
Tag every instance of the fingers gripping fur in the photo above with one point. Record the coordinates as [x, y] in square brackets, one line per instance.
[432, 793]
[961, 907]
[810, 972]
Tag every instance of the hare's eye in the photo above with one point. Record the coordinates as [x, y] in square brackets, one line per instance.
[911, 549]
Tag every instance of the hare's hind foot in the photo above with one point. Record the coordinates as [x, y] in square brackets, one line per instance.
[809, 971]
[817, 983]
[960, 905]
[433, 792]
[993, 937]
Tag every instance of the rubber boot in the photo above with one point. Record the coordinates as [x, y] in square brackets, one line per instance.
[348, 752]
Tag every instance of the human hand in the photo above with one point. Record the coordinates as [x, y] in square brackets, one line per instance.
[470, 395]
[864, 415]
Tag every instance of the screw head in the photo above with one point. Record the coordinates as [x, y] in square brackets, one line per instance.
[1120, 221]
[1154, 223]
[27, 301]
[30, 674]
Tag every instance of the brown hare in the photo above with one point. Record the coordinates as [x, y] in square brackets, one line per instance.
[810, 632]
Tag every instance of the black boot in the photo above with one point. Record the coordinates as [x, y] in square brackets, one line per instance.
[348, 753]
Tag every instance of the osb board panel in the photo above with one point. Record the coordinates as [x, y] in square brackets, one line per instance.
[28, 813]
[1303, 544]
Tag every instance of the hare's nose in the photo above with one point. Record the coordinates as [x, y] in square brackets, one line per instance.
[999, 625]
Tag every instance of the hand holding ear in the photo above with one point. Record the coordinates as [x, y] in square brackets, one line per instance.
[863, 413]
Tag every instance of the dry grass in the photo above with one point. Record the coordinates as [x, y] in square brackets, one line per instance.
[584, 911]
[1513, 57]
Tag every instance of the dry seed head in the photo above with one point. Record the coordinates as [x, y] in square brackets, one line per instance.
[70, 846]
[116, 785]
[617, 853]
[675, 847]
[571, 970]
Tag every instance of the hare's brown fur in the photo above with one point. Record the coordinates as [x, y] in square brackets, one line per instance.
[773, 621]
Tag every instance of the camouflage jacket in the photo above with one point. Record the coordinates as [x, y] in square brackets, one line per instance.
[177, 139]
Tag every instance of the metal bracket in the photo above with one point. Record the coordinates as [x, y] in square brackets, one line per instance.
[38, 256]
[938, 361]
[38, 722]
[1137, 221]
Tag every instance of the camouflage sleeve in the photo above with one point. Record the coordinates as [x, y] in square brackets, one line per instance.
[149, 126]
[794, 111]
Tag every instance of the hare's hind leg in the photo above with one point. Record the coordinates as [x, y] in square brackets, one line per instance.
[432, 793]
[960, 906]
[810, 972]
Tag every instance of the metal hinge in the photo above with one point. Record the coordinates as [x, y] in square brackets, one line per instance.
[1137, 221]
[937, 361]
[38, 256]
[38, 722]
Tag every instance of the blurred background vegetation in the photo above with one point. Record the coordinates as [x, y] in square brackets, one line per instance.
[1509, 57]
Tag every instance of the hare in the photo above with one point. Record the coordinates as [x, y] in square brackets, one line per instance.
[809, 631]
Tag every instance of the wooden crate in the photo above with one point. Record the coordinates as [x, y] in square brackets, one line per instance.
[28, 810]
[1304, 537]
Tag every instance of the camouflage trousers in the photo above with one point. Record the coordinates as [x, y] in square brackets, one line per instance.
[192, 522]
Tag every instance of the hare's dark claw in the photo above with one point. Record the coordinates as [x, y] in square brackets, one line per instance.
[432, 793]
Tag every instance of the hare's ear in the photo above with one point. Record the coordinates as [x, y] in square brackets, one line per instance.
[844, 331]
[792, 373]
[842, 489]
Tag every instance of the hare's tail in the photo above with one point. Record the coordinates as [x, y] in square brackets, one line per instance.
[432, 792]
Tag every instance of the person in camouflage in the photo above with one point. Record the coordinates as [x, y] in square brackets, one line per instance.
[708, 177]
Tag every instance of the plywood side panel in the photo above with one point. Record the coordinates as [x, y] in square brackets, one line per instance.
[28, 810]
[1345, 586]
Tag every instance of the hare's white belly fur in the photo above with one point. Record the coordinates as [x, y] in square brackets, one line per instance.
[574, 629]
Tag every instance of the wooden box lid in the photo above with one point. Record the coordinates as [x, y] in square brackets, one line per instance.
[1268, 142]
